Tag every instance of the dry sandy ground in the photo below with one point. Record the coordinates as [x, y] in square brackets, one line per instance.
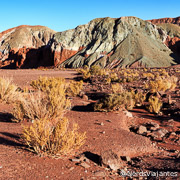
[104, 131]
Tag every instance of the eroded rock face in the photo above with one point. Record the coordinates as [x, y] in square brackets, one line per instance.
[174, 44]
[112, 43]
[172, 27]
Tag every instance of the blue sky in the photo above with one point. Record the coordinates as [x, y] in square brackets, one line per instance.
[61, 15]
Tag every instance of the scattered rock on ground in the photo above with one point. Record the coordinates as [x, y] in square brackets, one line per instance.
[142, 130]
[111, 160]
[85, 165]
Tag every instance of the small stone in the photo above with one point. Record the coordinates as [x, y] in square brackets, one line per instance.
[159, 134]
[85, 97]
[47, 177]
[84, 165]
[126, 158]
[102, 124]
[142, 130]
[128, 114]
[81, 93]
[173, 134]
[76, 160]
[86, 160]
[103, 132]
[71, 168]
[171, 120]
[1, 167]
[178, 155]
[100, 173]
[85, 171]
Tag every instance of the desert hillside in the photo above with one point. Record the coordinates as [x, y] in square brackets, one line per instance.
[107, 42]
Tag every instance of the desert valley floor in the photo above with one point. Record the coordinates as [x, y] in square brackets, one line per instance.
[104, 130]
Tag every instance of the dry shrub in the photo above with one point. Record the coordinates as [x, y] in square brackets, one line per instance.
[97, 70]
[139, 98]
[45, 84]
[50, 104]
[162, 84]
[154, 104]
[45, 137]
[116, 88]
[114, 102]
[148, 75]
[93, 70]
[8, 91]
[74, 88]
[114, 77]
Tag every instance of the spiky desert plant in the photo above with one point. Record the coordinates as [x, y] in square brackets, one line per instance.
[154, 104]
[8, 91]
[43, 137]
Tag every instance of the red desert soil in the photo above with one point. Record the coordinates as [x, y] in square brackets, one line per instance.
[104, 131]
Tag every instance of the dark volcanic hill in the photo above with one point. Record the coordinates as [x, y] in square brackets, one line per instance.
[108, 42]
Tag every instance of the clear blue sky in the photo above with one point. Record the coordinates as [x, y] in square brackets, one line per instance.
[61, 15]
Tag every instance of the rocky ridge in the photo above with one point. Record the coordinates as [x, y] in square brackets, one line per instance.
[108, 42]
[112, 43]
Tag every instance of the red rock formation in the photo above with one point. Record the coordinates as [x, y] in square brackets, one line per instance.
[173, 44]
[30, 57]
[166, 20]
[65, 54]
[60, 57]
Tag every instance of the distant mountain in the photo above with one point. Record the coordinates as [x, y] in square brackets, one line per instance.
[107, 42]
